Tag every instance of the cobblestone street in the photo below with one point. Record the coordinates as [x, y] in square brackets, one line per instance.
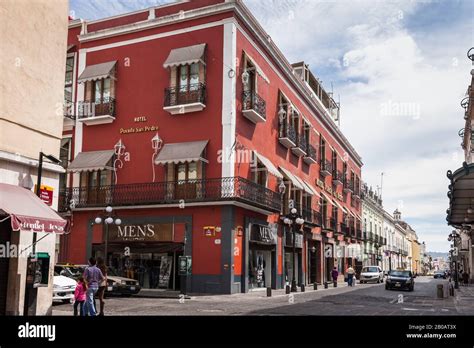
[363, 299]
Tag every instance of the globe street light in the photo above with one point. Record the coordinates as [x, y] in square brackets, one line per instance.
[293, 219]
[107, 219]
[452, 237]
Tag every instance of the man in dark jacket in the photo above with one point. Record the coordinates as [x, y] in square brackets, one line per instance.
[334, 275]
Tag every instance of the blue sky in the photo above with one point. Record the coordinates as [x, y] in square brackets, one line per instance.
[400, 69]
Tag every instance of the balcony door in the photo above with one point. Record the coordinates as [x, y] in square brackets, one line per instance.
[186, 180]
[95, 187]
[188, 83]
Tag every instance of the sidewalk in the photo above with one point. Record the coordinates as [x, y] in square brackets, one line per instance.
[464, 299]
[171, 294]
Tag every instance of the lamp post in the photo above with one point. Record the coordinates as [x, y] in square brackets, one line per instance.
[295, 220]
[452, 237]
[108, 219]
[38, 184]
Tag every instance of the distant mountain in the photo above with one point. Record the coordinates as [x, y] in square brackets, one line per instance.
[435, 254]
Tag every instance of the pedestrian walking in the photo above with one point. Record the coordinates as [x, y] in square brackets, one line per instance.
[80, 296]
[93, 277]
[334, 275]
[101, 292]
[350, 276]
[465, 278]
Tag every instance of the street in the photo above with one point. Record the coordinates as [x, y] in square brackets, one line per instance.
[363, 299]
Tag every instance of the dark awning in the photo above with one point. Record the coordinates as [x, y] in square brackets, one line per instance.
[97, 71]
[91, 161]
[182, 152]
[461, 196]
[28, 212]
[186, 55]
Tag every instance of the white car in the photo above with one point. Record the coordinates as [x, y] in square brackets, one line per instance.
[63, 288]
[371, 274]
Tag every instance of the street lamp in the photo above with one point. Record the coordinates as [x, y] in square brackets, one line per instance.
[452, 237]
[38, 184]
[108, 219]
[295, 220]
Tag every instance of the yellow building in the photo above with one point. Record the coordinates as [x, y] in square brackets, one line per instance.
[415, 252]
[33, 36]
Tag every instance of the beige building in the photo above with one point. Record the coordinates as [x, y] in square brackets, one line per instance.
[33, 39]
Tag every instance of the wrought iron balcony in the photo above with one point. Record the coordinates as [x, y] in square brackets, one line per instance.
[69, 110]
[348, 185]
[173, 192]
[254, 107]
[96, 112]
[310, 157]
[326, 168]
[337, 177]
[181, 100]
[344, 228]
[301, 146]
[287, 135]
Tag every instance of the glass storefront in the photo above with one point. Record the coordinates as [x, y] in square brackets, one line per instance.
[154, 268]
[260, 268]
[262, 249]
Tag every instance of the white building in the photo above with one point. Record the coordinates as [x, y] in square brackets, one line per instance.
[372, 221]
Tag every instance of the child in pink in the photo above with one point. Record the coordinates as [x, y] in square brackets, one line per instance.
[80, 296]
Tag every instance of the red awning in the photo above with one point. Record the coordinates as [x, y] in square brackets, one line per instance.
[28, 212]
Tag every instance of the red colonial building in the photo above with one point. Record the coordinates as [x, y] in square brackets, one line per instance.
[189, 122]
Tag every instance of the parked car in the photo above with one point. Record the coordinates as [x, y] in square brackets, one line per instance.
[439, 274]
[371, 274]
[68, 270]
[117, 285]
[63, 288]
[400, 280]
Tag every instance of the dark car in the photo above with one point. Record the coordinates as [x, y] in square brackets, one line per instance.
[400, 280]
[439, 274]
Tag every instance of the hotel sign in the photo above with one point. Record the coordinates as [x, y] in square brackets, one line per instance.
[141, 233]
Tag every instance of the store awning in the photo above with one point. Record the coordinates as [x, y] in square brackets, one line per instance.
[97, 71]
[269, 165]
[340, 206]
[186, 55]
[182, 152]
[312, 189]
[461, 196]
[292, 178]
[91, 161]
[327, 198]
[28, 212]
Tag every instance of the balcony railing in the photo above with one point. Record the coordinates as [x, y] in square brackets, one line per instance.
[173, 192]
[326, 168]
[344, 228]
[348, 185]
[337, 177]
[91, 109]
[310, 157]
[301, 145]
[196, 93]
[69, 110]
[254, 107]
[287, 134]
[317, 218]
